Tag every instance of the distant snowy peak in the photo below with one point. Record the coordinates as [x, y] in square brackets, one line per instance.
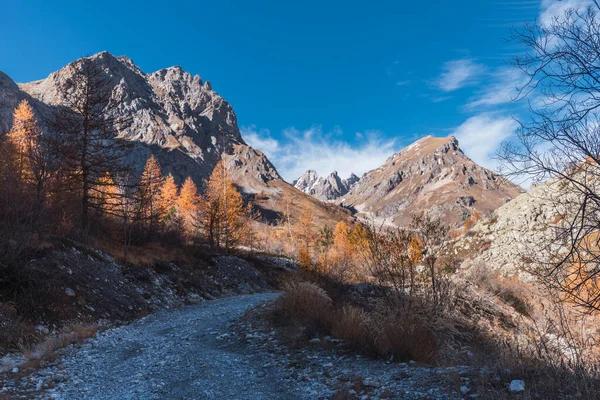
[325, 188]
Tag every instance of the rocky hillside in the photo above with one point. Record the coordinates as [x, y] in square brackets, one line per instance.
[329, 188]
[516, 232]
[177, 117]
[432, 174]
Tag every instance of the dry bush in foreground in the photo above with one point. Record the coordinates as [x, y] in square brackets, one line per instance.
[406, 334]
[355, 325]
[387, 329]
[305, 300]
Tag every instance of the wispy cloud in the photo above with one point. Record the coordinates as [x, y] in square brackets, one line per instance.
[459, 73]
[552, 9]
[324, 152]
[503, 87]
[403, 83]
[480, 136]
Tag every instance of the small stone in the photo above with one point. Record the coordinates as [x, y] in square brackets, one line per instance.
[371, 383]
[464, 389]
[315, 340]
[69, 292]
[15, 370]
[516, 386]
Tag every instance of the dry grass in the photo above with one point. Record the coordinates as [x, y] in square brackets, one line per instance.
[45, 351]
[406, 334]
[148, 254]
[389, 329]
[354, 325]
[511, 291]
[305, 300]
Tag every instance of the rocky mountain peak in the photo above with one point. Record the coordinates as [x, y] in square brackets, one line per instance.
[180, 119]
[432, 174]
[324, 188]
[170, 109]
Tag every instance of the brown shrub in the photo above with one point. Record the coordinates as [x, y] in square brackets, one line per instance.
[306, 301]
[354, 325]
[406, 335]
[390, 329]
[510, 291]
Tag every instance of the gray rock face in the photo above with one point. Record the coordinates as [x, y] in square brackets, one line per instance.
[519, 232]
[174, 115]
[329, 188]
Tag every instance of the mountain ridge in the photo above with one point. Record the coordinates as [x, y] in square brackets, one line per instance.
[327, 188]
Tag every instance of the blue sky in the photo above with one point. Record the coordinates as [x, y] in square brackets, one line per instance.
[315, 84]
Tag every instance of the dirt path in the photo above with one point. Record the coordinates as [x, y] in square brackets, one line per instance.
[181, 354]
[206, 352]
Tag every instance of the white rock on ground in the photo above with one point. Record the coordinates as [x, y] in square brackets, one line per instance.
[516, 386]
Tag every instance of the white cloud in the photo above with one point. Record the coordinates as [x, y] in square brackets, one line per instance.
[261, 140]
[322, 151]
[458, 74]
[551, 9]
[480, 136]
[503, 88]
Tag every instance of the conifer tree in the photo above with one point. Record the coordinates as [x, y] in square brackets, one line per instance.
[188, 203]
[88, 130]
[306, 237]
[168, 196]
[33, 156]
[149, 195]
[224, 216]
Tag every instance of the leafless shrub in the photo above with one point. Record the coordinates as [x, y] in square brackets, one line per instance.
[510, 291]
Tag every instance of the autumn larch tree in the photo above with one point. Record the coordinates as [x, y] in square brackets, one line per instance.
[224, 216]
[149, 195]
[306, 237]
[33, 158]
[168, 196]
[171, 221]
[188, 203]
[87, 126]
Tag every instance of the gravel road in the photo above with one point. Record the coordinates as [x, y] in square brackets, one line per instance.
[181, 354]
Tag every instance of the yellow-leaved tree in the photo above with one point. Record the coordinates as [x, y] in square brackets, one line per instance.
[108, 198]
[149, 195]
[188, 203]
[168, 196]
[32, 156]
[305, 235]
[224, 217]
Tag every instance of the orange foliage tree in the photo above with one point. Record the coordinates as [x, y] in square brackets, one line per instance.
[149, 195]
[306, 236]
[224, 218]
[188, 203]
